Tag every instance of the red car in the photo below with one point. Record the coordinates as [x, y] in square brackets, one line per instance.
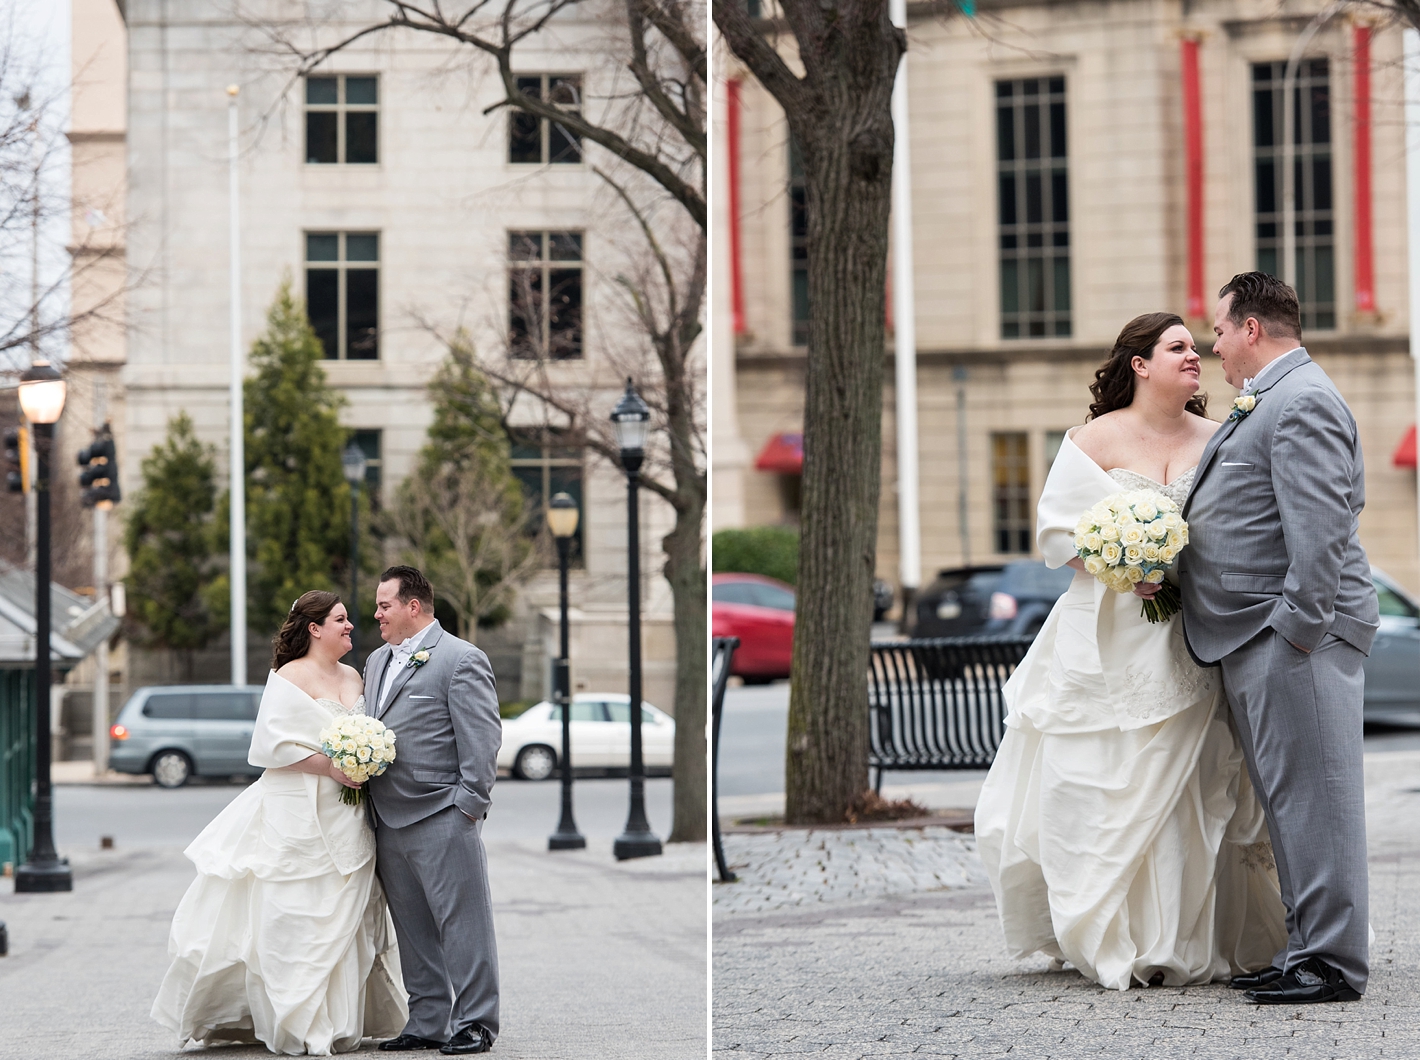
[760, 611]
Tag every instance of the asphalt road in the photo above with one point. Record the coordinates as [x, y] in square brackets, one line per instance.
[146, 815]
[752, 743]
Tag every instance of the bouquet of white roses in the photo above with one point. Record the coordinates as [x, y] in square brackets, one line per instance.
[1134, 537]
[361, 747]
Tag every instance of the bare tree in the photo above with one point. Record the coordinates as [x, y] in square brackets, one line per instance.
[647, 139]
[838, 114]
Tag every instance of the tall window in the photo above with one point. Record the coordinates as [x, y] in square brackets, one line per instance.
[370, 443]
[1311, 135]
[1034, 208]
[546, 466]
[545, 294]
[1010, 492]
[343, 293]
[342, 120]
[798, 246]
[537, 140]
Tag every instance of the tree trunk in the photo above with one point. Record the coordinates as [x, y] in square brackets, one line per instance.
[685, 570]
[845, 136]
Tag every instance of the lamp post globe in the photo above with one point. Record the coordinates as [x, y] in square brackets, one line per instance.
[562, 518]
[353, 466]
[42, 392]
[631, 421]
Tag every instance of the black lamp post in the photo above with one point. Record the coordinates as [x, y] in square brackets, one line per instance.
[42, 392]
[562, 521]
[631, 421]
[353, 464]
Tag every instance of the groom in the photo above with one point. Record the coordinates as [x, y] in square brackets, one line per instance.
[1276, 588]
[436, 693]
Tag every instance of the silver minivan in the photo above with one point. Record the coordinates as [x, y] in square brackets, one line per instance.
[180, 731]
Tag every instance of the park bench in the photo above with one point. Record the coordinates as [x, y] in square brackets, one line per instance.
[937, 704]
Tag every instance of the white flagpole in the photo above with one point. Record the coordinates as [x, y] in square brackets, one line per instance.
[237, 447]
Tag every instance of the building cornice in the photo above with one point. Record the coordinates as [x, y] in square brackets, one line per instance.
[97, 136]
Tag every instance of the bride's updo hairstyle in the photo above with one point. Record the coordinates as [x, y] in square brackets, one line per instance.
[294, 640]
[1113, 387]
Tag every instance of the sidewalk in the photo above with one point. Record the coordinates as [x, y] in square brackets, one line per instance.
[884, 943]
[597, 958]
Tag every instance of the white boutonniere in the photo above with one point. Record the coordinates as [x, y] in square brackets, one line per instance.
[1242, 405]
[419, 658]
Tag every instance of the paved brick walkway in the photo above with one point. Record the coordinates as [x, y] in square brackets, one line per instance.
[873, 968]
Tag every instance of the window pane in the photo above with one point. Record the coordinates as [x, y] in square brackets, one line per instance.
[525, 246]
[362, 246]
[360, 136]
[222, 706]
[323, 305]
[565, 91]
[360, 90]
[320, 90]
[525, 312]
[322, 246]
[622, 712]
[362, 314]
[563, 145]
[1005, 132]
[583, 711]
[1392, 605]
[320, 137]
[168, 705]
[369, 443]
[530, 86]
[564, 246]
[565, 313]
[524, 137]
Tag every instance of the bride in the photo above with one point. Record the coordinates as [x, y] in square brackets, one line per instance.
[284, 937]
[1117, 824]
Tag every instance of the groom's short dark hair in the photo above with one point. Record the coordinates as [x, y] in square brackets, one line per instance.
[412, 585]
[1266, 299]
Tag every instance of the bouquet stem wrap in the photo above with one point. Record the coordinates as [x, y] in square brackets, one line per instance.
[361, 748]
[1131, 538]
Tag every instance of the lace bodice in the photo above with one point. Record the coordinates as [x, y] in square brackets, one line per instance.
[1176, 491]
[338, 708]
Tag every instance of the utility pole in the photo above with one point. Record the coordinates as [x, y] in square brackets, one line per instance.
[237, 447]
[100, 695]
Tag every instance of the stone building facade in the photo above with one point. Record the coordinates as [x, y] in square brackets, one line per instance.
[1051, 151]
[401, 211]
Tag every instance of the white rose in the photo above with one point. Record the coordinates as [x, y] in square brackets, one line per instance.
[1146, 511]
[1172, 520]
[1154, 577]
[1110, 553]
[364, 754]
[1151, 553]
[1119, 581]
[1094, 542]
[1134, 555]
[1176, 539]
[1132, 534]
[1168, 554]
[1096, 566]
[1134, 574]
[1157, 530]
[1109, 532]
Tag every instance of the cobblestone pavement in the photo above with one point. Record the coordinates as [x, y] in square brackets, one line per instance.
[871, 969]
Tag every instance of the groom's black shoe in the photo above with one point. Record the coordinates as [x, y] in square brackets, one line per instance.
[472, 1039]
[1253, 980]
[1309, 983]
[408, 1042]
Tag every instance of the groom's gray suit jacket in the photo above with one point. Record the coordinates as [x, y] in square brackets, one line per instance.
[1272, 523]
[447, 731]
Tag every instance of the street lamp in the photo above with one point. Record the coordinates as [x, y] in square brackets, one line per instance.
[42, 393]
[353, 465]
[631, 422]
[562, 521]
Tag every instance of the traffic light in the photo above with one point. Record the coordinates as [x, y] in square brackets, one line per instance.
[99, 478]
[18, 456]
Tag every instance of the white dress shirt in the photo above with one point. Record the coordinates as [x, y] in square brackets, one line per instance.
[1250, 385]
[400, 659]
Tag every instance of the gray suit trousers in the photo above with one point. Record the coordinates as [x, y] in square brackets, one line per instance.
[436, 878]
[1298, 717]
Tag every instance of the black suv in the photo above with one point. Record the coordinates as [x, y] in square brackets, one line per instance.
[1009, 600]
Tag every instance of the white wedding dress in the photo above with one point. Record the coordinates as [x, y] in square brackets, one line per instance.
[1117, 825]
[284, 937]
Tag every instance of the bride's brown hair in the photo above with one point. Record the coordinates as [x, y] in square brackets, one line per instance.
[1113, 387]
[294, 639]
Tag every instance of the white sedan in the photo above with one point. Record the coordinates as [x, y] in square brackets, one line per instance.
[601, 736]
